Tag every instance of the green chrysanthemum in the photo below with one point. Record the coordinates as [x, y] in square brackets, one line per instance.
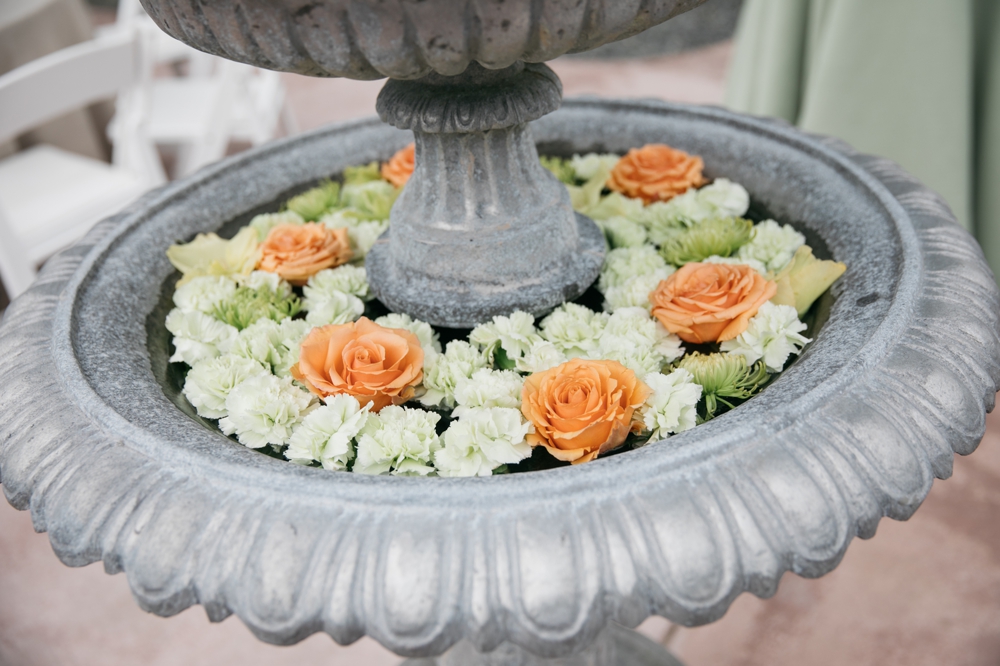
[355, 175]
[313, 204]
[249, 305]
[560, 168]
[723, 378]
[719, 237]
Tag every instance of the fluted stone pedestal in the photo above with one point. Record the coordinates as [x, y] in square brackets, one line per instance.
[481, 228]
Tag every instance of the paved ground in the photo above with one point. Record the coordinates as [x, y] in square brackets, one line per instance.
[922, 592]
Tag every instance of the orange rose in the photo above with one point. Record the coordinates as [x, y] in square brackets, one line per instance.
[656, 173]
[398, 169]
[296, 252]
[710, 302]
[375, 364]
[581, 408]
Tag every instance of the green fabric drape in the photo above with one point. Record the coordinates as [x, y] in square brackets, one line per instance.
[917, 81]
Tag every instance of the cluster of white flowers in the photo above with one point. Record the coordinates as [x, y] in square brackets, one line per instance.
[587, 166]
[327, 433]
[489, 430]
[772, 245]
[209, 382]
[275, 345]
[514, 334]
[203, 294]
[443, 372]
[721, 198]
[336, 295]
[198, 336]
[264, 409]
[629, 275]
[637, 341]
[773, 334]
[623, 232]
[672, 405]
[573, 329]
[271, 282]
[398, 440]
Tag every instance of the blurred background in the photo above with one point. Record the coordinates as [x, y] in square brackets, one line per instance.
[97, 106]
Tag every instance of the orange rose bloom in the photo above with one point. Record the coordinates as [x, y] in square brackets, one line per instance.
[296, 252]
[375, 364]
[581, 408]
[710, 302]
[656, 173]
[398, 169]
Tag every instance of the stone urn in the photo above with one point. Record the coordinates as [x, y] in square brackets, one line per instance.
[544, 567]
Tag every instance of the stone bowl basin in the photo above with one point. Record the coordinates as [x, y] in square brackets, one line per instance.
[899, 379]
[403, 39]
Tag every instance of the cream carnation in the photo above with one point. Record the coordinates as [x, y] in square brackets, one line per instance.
[573, 329]
[347, 278]
[273, 344]
[772, 245]
[203, 293]
[587, 166]
[334, 307]
[637, 341]
[327, 433]
[198, 337]
[672, 406]
[483, 439]
[623, 232]
[634, 292]
[209, 382]
[623, 264]
[541, 356]
[264, 409]
[488, 388]
[443, 372]
[398, 440]
[515, 334]
[272, 282]
[773, 334]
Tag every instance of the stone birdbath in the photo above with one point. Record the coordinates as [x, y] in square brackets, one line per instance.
[544, 567]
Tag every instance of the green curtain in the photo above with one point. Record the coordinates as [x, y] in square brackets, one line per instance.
[917, 81]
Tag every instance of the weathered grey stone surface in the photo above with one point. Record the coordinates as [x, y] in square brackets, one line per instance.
[401, 39]
[481, 229]
[899, 379]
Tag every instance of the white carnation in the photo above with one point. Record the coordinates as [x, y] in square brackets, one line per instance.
[488, 388]
[327, 434]
[772, 245]
[334, 307]
[573, 329]
[264, 223]
[773, 334]
[399, 440]
[541, 356]
[264, 409]
[204, 293]
[363, 236]
[623, 264]
[634, 292]
[623, 232]
[443, 372]
[198, 337]
[272, 282]
[482, 440]
[638, 342]
[347, 278]
[515, 334]
[736, 261]
[587, 166]
[209, 382]
[273, 344]
[722, 198]
[428, 337]
[672, 406]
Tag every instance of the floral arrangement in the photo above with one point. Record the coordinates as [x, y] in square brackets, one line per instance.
[696, 309]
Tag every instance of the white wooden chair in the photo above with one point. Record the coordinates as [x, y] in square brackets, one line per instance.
[49, 197]
[217, 101]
